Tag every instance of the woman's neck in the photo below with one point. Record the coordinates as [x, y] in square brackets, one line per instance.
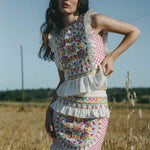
[69, 19]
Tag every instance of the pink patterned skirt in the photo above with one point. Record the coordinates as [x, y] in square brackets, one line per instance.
[78, 133]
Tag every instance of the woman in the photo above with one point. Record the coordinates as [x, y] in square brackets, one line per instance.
[74, 38]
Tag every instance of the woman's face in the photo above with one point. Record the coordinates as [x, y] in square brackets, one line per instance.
[67, 6]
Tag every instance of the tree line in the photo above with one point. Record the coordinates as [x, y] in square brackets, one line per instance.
[43, 95]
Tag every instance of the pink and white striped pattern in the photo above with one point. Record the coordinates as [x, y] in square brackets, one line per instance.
[98, 50]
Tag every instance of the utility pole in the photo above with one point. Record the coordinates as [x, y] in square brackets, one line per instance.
[22, 77]
[22, 80]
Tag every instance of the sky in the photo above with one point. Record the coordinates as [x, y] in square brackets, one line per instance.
[20, 25]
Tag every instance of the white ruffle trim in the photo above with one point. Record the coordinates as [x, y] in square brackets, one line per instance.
[76, 111]
[51, 41]
[82, 84]
[89, 38]
[53, 46]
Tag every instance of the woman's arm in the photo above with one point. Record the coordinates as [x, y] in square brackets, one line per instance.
[61, 77]
[104, 23]
[49, 113]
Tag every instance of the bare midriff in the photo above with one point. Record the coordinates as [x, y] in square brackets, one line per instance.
[102, 88]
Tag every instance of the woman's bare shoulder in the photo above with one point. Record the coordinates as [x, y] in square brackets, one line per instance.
[103, 22]
[95, 22]
[97, 19]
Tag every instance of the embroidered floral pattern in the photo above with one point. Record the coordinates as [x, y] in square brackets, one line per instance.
[78, 133]
[72, 49]
[87, 100]
[81, 75]
[85, 104]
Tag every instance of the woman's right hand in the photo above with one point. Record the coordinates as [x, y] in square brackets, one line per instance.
[107, 63]
[49, 123]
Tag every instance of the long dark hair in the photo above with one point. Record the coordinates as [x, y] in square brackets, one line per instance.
[54, 21]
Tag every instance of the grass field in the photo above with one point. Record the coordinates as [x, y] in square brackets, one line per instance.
[24, 130]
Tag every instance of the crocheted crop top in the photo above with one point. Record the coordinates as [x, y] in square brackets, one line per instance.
[79, 53]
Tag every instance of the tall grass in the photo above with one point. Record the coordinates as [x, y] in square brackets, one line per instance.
[131, 95]
[25, 130]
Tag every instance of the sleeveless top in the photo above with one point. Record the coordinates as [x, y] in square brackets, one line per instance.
[79, 53]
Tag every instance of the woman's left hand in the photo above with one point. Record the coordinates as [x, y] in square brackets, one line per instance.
[108, 65]
[49, 123]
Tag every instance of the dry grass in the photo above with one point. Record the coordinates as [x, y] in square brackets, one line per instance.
[121, 137]
[25, 130]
